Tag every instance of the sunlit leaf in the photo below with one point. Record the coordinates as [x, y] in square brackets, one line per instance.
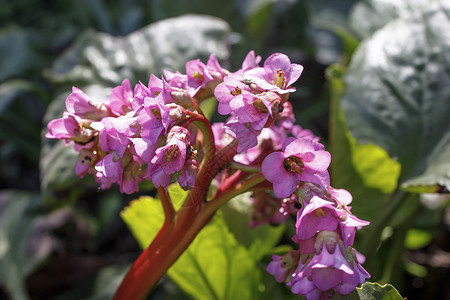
[417, 238]
[368, 16]
[372, 291]
[168, 44]
[145, 216]
[259, 240]
[215, 265]
[398, 86]
[365, 170]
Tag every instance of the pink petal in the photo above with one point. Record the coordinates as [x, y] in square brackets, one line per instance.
[299, 146]
[272, 165]
[277, 61]
[321, 161]
[295, 72]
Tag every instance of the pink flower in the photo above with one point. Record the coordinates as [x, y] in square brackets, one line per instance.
[186, 177]
[87, 158]
[300, 160]
[63, 128]
[109, 170]
[121, 98]
[229, 89]
[277, 75]
[319, 214]
[332, 266]
[221, 138]
[157, 175]
[143, 148]
[348, 223]
[172, 156]
[114, 133]
[281, 267]
[150, 119]
[80, 104]
[244, 133]
[251, 61]
[131, 176]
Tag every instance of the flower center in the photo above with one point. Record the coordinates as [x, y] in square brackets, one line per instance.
[293, 164]
[281, 78]
[259, 106]
[237, 91]
[170, 152]
[320, 212]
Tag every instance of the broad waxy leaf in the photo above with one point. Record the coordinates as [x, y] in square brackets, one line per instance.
[367, 17]
[145, 215]
[365, 170]
[260, 240]
[168, 44]
[398, 91]
[24, 240]
[372, 291]
[215, 265]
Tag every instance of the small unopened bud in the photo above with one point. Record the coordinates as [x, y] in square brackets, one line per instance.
[182, 98]
[176, 112]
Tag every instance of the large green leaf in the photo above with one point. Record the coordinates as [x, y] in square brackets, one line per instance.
[17, 56]
[25, 240]
[215, 265]
[398, 91]
[168, 44]
[372, 291]
[145, 215]
[365, 170]
[260, 240]
[368, 16]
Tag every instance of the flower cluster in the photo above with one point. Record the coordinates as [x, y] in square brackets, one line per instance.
[151, 132]
[325, 263]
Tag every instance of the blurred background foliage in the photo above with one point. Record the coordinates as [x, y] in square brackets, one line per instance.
[62, 238]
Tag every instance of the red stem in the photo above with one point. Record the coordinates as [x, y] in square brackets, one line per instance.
[175, 236]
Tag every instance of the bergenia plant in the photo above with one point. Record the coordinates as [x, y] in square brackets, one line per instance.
[159, 133]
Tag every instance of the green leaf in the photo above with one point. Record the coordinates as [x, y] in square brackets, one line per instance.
[18, 56]
[398, 86]
[260, 240]
[366, 171]
[417, 238]
[368, 16]
[372, 291]
[145, 216]
[209, 107]
[215, 265]
[168, 44]
[24, 240]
